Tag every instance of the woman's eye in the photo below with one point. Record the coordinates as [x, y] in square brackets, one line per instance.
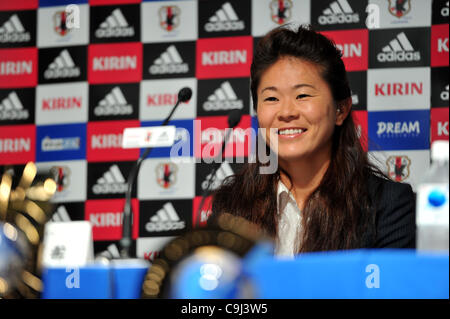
[300, 96]
[271, 99]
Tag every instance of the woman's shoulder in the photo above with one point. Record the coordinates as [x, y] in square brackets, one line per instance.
[384, 187]
[395, 212]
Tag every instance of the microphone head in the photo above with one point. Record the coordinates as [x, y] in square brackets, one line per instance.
[234, 117]
[185, 94]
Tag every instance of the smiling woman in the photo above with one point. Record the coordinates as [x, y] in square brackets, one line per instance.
[325, 194]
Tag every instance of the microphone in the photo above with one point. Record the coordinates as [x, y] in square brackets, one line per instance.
[184, 95]
[234, 117]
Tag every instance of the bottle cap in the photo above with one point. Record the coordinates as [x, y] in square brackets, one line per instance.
[439, 151]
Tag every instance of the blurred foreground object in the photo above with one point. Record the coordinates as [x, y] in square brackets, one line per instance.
[432, 209]
[205, 263]
[24, 210]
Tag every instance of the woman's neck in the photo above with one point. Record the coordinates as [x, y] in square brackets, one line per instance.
[305, 175]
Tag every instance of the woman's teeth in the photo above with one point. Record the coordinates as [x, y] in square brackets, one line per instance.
[290, 131]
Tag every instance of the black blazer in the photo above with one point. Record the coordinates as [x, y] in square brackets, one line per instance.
[395, 219]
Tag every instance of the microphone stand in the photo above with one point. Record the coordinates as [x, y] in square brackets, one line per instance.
[217, 164]
[127, 219]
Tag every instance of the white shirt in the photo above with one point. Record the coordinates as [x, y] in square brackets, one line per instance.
[289, 223]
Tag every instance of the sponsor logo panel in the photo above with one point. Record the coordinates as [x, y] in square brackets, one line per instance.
[62, 64]
[200, 217]
[163, 178]
[165, 218]
[183, 146]
[269, 14]
[219, 97]
[164, 60]
[66, 212]
[109, 180]
[439, 124]
[70, 178]
[361, 123]
[109, 62]
[224, 57]
[169, 21]
[62, 103]
[114, 101]
[17, 144]
[111, 248]
[439, 87]
[60, 142]
[18, 67]
[354, 45]
[106, 216]
[210, 132]
[403, 14]
[17, 106]
[151, 248]
[399, 48]
[19, 5]
[358, 85]
[158, 97]
[17, 29]
[338, 14]
[440, 11]
[105, 141]
[203, 175]
[224, 18]
[393, 89]
[57, 30]
[439, 45]
[115, 23]
[399, 130]
[402, 166]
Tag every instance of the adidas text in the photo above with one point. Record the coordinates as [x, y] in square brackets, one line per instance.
[169, 68]
[401, 56]
[13, 114]
[340, 18]
[115, 32]
[109, 188]
[113, 110]
[61, 73]
[224, 26]
[164, 226]
[222, 105]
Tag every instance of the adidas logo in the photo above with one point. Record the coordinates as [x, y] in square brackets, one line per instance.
[338, 12]
[112, 182]
[444, 94]
[115, 26]
[225, 19]
[223, 98]
[223, 172]
[169, 62]
[111, 252]
[114, 103]
[13, 31]
[12, 109]
[61, 215]
[165, 219]
[399, 50]
[62, 67]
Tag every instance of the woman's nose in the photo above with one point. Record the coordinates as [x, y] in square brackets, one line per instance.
[288, 112]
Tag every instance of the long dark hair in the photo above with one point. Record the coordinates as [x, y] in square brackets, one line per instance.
[338, 214]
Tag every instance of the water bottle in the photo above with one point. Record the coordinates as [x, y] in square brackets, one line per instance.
[432, 208]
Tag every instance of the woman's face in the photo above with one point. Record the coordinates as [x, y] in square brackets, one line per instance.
[294, 99]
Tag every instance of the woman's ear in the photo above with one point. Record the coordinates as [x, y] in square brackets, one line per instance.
[342, 110]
